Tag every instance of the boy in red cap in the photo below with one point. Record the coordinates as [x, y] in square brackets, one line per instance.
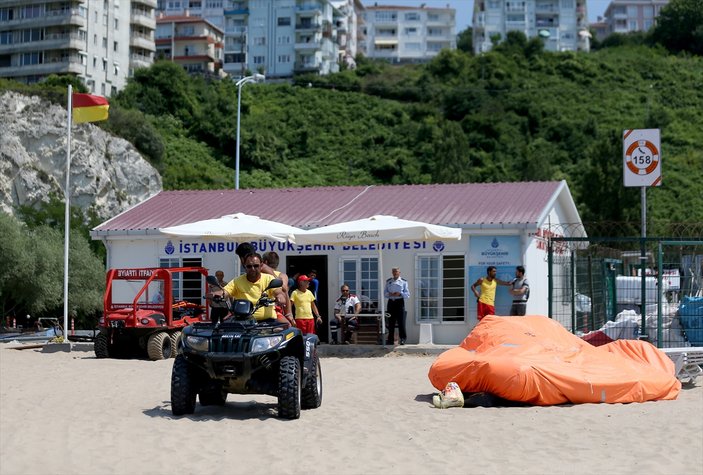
[305, 309]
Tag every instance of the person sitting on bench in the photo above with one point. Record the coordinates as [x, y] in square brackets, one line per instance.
[346, 310]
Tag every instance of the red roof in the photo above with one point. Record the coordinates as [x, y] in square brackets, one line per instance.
[521, 204]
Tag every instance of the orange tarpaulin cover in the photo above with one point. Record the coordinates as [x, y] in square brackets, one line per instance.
[535, 360]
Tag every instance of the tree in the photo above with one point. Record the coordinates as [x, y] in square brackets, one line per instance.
[680, 26]
[465, 41]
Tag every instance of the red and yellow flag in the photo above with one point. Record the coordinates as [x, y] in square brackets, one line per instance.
[89, 108]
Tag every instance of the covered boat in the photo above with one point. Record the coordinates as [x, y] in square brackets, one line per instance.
[535, 360]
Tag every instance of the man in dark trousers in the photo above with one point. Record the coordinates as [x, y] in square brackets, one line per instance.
[396, 291]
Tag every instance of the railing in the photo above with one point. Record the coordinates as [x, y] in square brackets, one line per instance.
[236, 30]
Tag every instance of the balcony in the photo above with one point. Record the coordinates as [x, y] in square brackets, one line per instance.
[235, 30]
[139, 61]
[142, 18]
[51, 41]
[147, 3]
[308, 26]
[236, 11]
[59, 17]
[308, 9]
[140, 40]
[307, 46]
[65, 65]
[306, 66]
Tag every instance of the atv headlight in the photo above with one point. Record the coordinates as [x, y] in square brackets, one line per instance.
[266, 343]
[198, 343]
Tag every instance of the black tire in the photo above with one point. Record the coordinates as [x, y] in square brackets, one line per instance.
[312, 392]
[175, 341]
[183, 390]
[289, 388]
[212, 397]
[101, 346]
[159, 346]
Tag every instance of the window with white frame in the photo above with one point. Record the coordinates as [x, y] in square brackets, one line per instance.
[284, 58]
[259, 60]
[186, 285]
[440, 288]
[361, 275]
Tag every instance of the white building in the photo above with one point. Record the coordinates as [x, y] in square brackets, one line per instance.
[408, 34]
[100, 41]
[503, 224]
[625, 16]
[561, 23]
[278, 37]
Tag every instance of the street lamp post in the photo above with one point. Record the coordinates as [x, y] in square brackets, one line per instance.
[239, 84]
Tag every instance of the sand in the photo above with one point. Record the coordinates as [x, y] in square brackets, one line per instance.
[69, 413]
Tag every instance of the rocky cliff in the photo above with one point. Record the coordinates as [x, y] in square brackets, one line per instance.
[107, 172]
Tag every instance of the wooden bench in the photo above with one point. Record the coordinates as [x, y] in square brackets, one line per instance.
[368, 330]
[687, 362]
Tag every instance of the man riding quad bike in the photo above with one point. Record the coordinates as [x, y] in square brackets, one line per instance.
[249, 352]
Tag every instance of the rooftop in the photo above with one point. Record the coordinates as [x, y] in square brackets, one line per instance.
[521, 204]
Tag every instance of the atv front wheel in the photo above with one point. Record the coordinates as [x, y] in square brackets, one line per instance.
[289, 388]
[101, 346]
[312, 392]
[182, 387]
[159, 346]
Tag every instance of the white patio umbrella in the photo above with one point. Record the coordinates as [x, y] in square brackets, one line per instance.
[376, 229]
[235, 227]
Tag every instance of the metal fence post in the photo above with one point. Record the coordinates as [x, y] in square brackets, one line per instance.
[550, 279]
[660, 319]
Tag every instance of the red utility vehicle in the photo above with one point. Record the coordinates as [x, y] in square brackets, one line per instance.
[140, 315]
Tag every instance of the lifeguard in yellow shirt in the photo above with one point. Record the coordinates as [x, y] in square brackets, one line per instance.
[487, 297]
[251, 285]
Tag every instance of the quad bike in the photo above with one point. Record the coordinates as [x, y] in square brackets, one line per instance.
[140, 317]
[242, 356]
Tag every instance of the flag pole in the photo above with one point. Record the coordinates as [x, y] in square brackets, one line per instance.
[67, 214]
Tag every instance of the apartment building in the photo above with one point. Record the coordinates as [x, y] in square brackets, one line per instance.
[624, 16]
[562, 24]
[408, 34]
[192, 42]
[99, 41]
[347, 16]
[278, 37]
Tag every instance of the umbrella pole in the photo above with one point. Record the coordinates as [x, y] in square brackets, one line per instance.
[383, 298]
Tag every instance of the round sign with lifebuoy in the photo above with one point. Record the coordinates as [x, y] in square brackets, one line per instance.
[642, 157]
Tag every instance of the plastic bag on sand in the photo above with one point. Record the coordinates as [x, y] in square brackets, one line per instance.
[451, 396]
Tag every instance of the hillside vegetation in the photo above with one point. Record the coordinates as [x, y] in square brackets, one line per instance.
[514, 114]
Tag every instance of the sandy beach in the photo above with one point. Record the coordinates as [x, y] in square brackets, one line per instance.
[69, 413]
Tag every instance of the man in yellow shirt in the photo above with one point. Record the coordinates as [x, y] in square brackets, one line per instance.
[306, 312]
[251, 285]
[487, 298]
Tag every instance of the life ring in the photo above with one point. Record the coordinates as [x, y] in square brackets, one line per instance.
[655, 157]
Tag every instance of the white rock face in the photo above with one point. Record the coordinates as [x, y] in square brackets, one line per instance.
[107, 172]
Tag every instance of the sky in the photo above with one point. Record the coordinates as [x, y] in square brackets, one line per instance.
[464, 8]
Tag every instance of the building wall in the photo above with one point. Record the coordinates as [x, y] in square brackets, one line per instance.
[405, 34]
[98, 41]
[624, 16]
[561, 23]
[478, 248]
[276, 37]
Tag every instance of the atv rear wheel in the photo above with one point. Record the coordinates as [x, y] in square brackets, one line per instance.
[289, 388]
[159, 346]
[175, 340]
[312, 392]
[182, 387]
[101, 347]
